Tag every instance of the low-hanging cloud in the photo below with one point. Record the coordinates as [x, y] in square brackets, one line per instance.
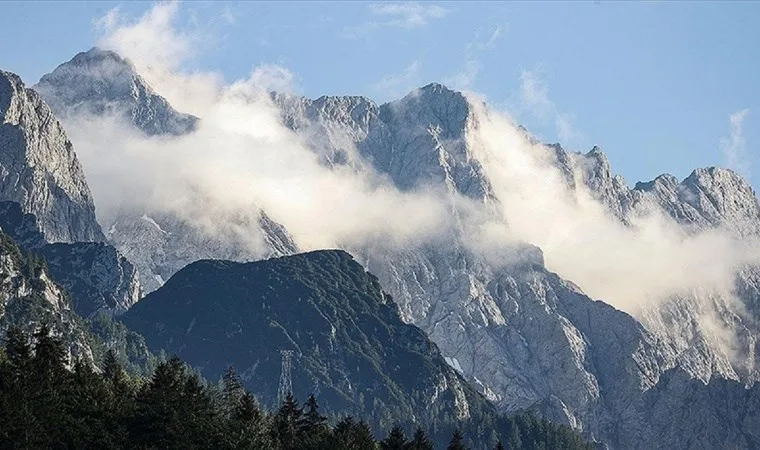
[630, 266]
[242, 159]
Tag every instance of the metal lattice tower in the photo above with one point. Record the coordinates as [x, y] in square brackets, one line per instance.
[286, 384]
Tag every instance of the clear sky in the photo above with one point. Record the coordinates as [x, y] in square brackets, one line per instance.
[660, 86]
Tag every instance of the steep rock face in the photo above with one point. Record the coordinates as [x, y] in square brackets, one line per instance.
[396, 138]
[333, 125]
[708, 198]
[161, 245]
[350, 347]
[97, 276]
[721, 414]
[29, 298]
[526, 337]
[100, 82]
[431, 118]
[699, 325]
[523, 335]
[38, 167]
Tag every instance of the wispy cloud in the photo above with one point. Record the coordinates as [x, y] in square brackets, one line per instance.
[228, 15]
[478, 44]
[534, 95]
[395, 84]
[534, 99]
[465, 77]
[734, 147]
[494, 36]
[155, 36]
[407, 16]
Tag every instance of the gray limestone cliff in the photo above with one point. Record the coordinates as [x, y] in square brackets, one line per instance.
[39, 169]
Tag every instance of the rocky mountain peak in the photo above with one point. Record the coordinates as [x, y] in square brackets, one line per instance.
[39, 169]
[431, 106]
[664, 181]
[102, 82]
[101, 60]
[723, 198]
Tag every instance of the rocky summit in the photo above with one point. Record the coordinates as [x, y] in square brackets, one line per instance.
[98, 82]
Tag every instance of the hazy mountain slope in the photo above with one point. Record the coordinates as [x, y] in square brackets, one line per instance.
[350, 347]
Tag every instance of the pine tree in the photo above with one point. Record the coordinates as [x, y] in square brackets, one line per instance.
[47, 376]
[49, 361]
[420, 441]
[456, 441]
[314, 426]
[499, 446]
[174, 410]
[248, 427]
[287, 423]
[232, 390]
[363, 437]
[396, 440]
[17, 349]
[349, 434]
[514, 442]
[16, 411]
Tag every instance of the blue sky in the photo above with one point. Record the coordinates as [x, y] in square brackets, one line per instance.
[660, 86]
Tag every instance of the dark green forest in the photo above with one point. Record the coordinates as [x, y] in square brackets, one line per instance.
[46, 401]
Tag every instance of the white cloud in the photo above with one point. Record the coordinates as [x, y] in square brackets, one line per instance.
[534, 99]
[478, 45]
[497, 32]
[465, 77]
[408, 16]
[228, 15]
[631, 267]
[473, 66]
[397, 83]
[734, 147]
[566, 131]
[272, 77]
[240, 159]
[154, 37]
[534, 95]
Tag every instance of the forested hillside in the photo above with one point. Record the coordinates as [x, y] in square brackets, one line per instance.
[43, 404]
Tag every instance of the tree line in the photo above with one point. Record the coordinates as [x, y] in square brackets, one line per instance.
[46, 401]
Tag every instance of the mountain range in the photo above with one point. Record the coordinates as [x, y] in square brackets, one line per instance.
[506, 315]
